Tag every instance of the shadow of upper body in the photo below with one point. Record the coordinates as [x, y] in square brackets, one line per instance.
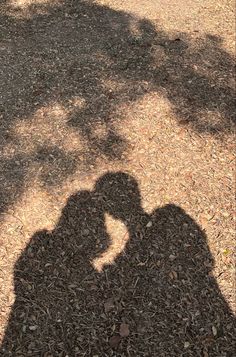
[160, 285]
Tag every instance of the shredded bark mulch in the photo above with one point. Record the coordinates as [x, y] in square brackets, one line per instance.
[117, 168]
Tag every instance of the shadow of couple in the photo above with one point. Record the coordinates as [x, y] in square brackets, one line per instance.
[159, 289]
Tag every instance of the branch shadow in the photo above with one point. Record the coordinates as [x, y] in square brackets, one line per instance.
[160, 285]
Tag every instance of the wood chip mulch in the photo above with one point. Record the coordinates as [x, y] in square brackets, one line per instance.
[117, 166]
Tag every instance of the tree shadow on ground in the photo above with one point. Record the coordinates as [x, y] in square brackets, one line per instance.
[91, 60]
[159, 293]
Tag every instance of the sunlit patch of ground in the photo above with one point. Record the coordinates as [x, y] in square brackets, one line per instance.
[26, 3]
[27, 8]
[119, 236]
[194, 15]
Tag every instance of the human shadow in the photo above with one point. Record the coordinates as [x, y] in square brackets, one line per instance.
[92, 60]
[158, 297]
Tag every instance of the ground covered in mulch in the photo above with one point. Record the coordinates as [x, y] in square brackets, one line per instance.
[117, 178]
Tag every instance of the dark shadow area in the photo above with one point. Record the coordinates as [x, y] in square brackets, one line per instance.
[161, 285]
[106, 58]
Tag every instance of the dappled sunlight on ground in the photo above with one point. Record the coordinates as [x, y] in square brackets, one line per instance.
[35, 132]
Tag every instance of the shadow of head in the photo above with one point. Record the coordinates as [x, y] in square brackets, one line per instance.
[120, 196]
